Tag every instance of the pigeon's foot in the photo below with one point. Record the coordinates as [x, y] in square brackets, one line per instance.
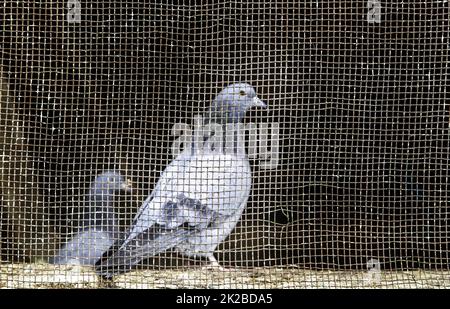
[214, 265]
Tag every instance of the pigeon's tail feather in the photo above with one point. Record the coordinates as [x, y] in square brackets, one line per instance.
[114, 263]
[122, 258]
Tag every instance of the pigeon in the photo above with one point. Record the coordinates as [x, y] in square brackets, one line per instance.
[98, 229]
[198, 199]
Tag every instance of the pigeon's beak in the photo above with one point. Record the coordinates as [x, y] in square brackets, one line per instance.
[127, 185]
[256, 102]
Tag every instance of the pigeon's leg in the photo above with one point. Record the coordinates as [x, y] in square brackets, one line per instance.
[213, 263]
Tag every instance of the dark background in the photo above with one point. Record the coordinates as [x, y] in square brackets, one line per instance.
[363, 111]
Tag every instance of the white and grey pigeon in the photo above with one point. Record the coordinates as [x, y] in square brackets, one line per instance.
[198, 199]
[98, 229]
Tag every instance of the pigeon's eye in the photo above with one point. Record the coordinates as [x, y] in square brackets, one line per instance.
[242, 92]
[111, 179]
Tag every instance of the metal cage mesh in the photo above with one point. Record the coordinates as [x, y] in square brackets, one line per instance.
[350, 165]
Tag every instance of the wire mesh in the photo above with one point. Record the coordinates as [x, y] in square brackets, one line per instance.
[349, 162]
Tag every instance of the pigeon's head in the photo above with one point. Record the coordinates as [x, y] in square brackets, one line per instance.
[99, 211]
[232, 102]
[112, 181]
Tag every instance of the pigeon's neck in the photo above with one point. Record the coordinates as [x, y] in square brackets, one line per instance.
[99, 211]
[217, 136]
[225, 111]
[232, 116]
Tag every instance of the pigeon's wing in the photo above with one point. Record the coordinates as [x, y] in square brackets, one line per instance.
[85, 248]
[151, 211]
[221, 183]
[178, 220]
